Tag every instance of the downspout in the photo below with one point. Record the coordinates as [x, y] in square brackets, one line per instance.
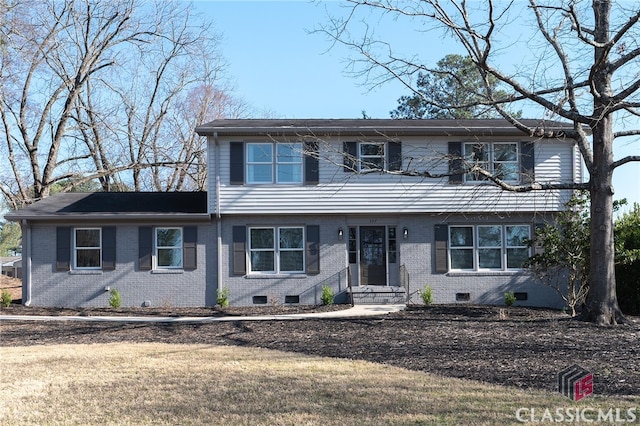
[26, 263]
[216, 148]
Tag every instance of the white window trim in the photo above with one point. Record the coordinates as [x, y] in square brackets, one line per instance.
[491, 161]
[362, 159]
[156, 247]
[277, 250]
[274, 164]
[76, 248]
[476, 256]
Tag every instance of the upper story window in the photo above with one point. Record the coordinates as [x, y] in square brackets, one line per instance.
[276, 250]
[366, 156]
[499, 159]
[168, 248]
[87, 248]
[372, 155]
[279, 163]
[488, 247]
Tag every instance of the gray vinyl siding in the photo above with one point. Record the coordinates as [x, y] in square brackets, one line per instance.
[87, 288]
[344, 193]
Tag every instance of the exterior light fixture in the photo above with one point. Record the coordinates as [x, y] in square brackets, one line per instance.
[340, 234]
[405, 232]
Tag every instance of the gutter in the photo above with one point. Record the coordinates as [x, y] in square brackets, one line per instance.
[216, 169]
[26, 263]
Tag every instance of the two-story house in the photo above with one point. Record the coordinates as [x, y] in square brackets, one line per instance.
[374, 209]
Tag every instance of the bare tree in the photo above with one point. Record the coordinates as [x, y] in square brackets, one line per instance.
[580, 65]
[90, 90]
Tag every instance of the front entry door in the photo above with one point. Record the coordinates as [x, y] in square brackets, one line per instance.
[373, 259]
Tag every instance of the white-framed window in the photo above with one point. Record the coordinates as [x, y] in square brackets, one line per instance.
[372, 155]
[87, 248]
[276, 250]
[279, 163]
[168, 248]
[498, 158]
[488, 247]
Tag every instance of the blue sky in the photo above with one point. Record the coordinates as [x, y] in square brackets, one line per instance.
[276, 65]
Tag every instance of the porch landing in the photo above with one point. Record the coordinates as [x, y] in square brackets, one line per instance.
[377, 295]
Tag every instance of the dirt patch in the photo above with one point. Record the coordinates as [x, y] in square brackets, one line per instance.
[519, 347]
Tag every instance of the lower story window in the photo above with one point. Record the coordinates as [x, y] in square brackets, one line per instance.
[168, 244]
[276, 249]
[87, 248]
[488, 247]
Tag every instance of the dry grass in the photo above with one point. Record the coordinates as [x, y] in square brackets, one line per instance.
[12, 285]
[201, 384]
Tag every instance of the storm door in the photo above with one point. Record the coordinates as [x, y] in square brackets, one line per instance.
[373, 261]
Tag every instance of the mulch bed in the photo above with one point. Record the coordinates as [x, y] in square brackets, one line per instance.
[519, 347]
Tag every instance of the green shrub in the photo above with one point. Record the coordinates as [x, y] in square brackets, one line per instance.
[509, 298]
[327, 295]
[115, 298]
[223, 297]
[6, 298]
[426, 295]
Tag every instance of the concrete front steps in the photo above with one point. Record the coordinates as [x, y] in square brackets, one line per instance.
[378, 295]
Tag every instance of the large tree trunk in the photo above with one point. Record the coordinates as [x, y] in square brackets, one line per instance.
[602, 302]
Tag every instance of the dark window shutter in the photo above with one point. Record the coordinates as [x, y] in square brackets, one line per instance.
[190, 247]
[145, 247]
[63, 248]
[313, 249]
[311, 163]
[527, 162]
[236, 163]
[455, 163]
[350, 153]
[108, 248]
[441, 238]
[395, 156]
[239, 250]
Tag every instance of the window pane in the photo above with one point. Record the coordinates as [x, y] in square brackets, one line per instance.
[291, 261]
[489, 236]
[373, 149]
[506, 171]
[289, 153]
[169, 237]
[462, 259]
[259, 173]
[259, 153]
[461, 236]
[87, 238]
[291, 238]
[516, 257]
[372, 163]
[262, 238]
[262, 261]
[505, 152]
[88, 258]
[170, 257]
[290, 173]
[476, 153]
[517, 235]
[490, 258]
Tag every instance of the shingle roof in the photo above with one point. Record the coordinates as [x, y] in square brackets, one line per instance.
[116, 205]
[373, 127]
